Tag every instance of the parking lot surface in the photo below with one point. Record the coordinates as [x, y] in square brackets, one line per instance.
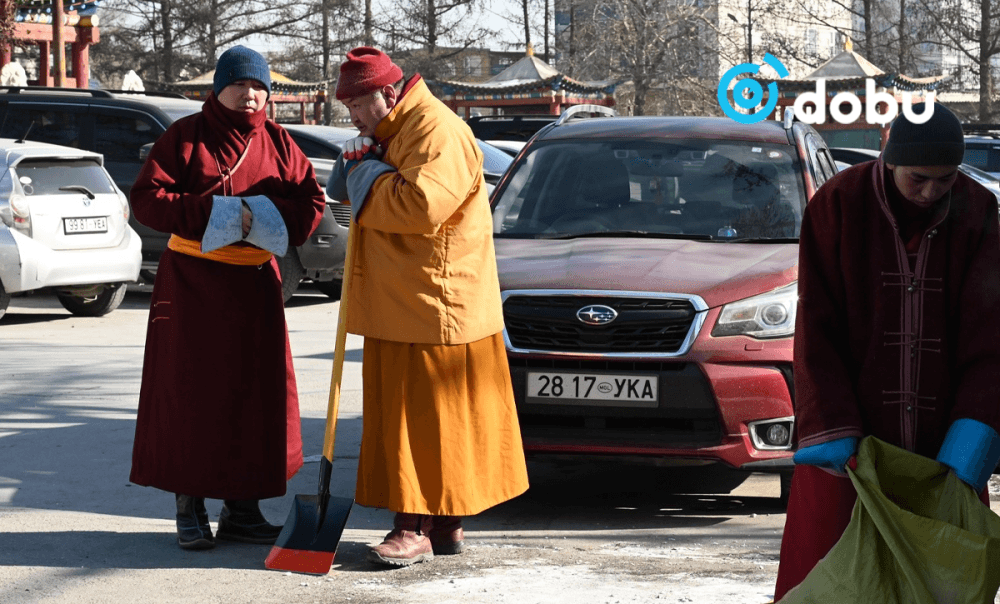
[73, 529]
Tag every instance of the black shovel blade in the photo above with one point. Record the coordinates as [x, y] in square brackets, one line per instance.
[309, 539]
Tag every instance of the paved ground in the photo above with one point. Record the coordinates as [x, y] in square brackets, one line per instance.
[72, 528]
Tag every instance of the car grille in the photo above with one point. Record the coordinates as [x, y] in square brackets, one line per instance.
[643, 325]
[341, 213]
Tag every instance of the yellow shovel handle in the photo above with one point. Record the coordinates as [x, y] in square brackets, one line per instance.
[339, 346]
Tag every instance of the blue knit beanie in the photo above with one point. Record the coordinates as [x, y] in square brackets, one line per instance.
[241, 63]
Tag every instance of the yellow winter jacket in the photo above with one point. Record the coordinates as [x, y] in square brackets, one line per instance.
[425, 269]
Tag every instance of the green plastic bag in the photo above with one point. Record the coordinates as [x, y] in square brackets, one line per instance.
[918, 535]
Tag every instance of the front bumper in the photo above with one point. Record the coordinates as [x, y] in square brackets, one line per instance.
[705, 413]
[35, 266]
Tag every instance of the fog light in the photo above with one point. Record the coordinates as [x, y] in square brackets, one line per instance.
[777, 435]
[773, 434]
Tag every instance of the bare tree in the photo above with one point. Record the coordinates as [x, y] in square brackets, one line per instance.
[889, 34]
[971, 28]
[654, 44]
[426, 34]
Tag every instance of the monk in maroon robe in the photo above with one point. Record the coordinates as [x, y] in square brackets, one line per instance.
[898, 327]
[218, 408]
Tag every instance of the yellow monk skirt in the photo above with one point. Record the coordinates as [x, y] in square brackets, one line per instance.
[440, 433]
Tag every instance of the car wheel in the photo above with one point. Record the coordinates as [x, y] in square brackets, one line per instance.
[330, 288]
[4, 301]
[291, 271]
[147, 276]
[109, 299]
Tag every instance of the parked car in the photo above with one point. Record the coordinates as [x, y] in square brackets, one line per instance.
[846, 157]
[511, 148]
[64, 228]
[118, 125]
[646, 316]
[982, 147]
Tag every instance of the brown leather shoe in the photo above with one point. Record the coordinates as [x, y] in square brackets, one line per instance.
[447, 536]
[406, 544]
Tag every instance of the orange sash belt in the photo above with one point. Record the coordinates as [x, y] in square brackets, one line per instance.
[243, 255]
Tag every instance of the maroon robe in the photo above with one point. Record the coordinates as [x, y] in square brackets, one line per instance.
[218, 408]
[895, 339]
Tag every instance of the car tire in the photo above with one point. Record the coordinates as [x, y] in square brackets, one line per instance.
[330, 288]
[109, 299]
[292, 271]
[4, 301]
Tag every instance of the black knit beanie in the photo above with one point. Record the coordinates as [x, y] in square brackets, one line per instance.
[937, 142]
[241, 63]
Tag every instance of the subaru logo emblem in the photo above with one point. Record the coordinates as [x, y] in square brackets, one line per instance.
[597, 314]
[86, 202]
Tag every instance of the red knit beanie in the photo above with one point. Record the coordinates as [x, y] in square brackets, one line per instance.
[366, 70]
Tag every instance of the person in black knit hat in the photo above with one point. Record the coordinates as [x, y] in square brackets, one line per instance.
[896, 331]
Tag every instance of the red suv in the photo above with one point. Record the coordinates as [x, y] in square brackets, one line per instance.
[648, 271]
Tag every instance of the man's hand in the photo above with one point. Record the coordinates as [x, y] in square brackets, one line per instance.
[247, 219]
[357, 147]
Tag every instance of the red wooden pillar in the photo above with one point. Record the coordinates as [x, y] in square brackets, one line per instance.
[5, 55]
[58, 44]
[44, 65]
[81, 64]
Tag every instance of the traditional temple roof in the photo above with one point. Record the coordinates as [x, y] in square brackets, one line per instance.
[78, 12]
[847, 64]
[527, 76]
[849, 71]
[280, 84]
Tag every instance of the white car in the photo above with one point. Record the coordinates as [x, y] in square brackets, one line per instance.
[64, 228]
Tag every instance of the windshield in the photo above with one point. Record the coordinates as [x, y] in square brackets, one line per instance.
[495, 161]
[176, 112]
[705, 189]
[57, 177]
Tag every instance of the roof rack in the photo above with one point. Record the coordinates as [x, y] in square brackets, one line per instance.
[91, 91]
[981, 128]
[584, 111]
[162, 93]
[789, 118]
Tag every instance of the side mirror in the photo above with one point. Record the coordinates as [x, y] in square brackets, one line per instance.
[144, 151]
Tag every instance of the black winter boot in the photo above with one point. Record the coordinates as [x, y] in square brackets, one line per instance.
[242, 521]
[193, 530]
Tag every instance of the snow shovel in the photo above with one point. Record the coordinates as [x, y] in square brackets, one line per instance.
[309, 538]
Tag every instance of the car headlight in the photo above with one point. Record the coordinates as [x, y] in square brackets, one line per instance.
[770, 315]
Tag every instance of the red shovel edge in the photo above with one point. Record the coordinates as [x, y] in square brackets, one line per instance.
[309, 538]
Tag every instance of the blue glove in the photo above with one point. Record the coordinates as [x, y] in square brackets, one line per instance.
[971, 449]
[831, 455]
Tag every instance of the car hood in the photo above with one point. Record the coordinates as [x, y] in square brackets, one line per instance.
[718, 272]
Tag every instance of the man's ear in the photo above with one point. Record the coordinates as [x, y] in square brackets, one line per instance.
[891, 167]
[389, 93]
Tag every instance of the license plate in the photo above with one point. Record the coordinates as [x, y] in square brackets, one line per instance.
[74, 226]
[593, 388]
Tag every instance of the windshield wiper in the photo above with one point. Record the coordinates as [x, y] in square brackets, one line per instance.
[652, 234]
[761, 240]
[78, 189]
